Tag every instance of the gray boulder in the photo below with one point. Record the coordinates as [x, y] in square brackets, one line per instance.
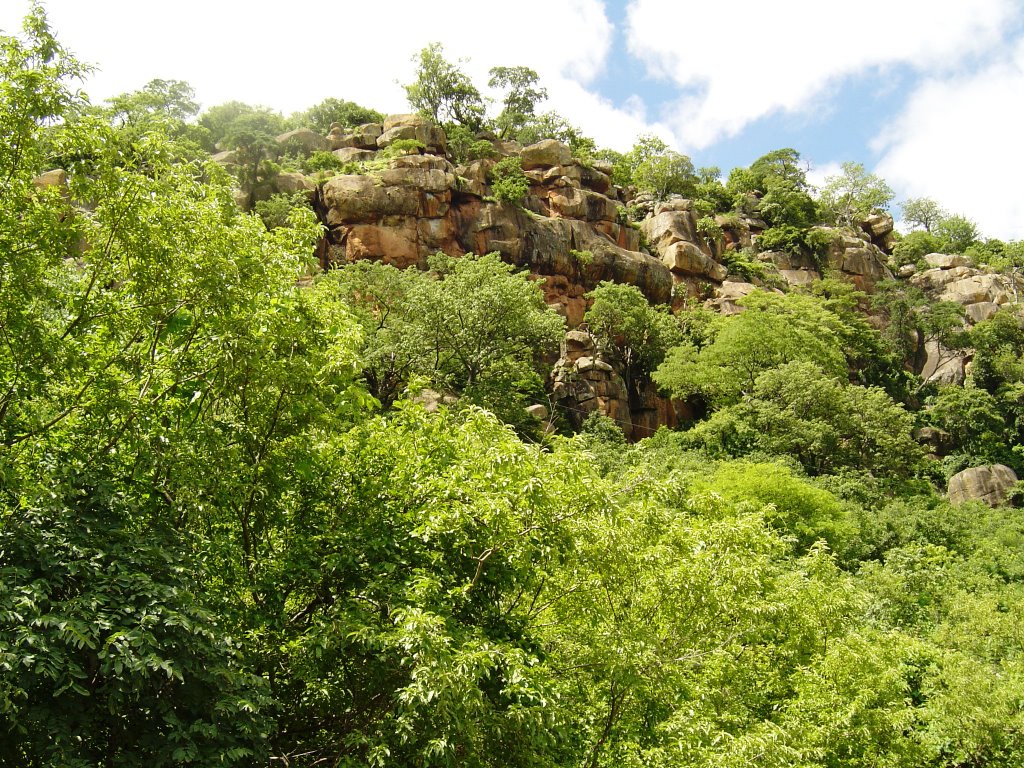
[990, 484]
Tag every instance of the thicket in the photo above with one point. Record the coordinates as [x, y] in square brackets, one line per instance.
[229, 535]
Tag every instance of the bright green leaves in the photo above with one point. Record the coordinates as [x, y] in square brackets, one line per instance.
[413, 584]
[472, 325]
[508, 180]
[107, 653]
[442, 92]
[634, 335]
[849, 197]
[774, 330]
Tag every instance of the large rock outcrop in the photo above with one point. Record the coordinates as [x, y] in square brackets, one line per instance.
[990, 484]
[950, 278]
[567, 230]
[859, 260]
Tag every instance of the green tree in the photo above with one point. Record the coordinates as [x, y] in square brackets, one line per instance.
[223, 119]
[782, 185]
[914, 246]
[654, 168]
[251, 137]
[484, 325]
[416, 583]
[175, 341]
[974, 421]
[551, 125]
[913, 321]
[110, 655]
[391, 353]
[634, 335]
[320, 117]
[957, 233]
[711, 192]
[442, 92]
[472, 326]
[849, 197]
[173, 100]
[771, 331]
[998, 345]
[824, 423]
[923, 212]
[521, 98]
[509, 182]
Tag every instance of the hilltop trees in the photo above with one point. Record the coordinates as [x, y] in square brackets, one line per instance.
[849, 197]
[442, 92]
[923, 212]
[521, 98]
[320, 117]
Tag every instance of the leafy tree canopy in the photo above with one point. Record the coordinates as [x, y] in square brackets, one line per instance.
[772, 331]
[444, 93]
[320, 117]
[522, 94]
[850, 196]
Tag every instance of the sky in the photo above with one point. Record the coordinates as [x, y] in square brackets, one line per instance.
[928, 94]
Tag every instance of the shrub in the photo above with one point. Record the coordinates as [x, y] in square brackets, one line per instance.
[708, 227]
[464, 146]
[276, 211]
[913, 246]
[797, 242]
[508, 181]
[322, 161]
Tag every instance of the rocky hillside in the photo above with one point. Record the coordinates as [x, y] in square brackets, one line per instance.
[401, 198]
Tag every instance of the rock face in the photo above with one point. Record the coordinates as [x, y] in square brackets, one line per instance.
[990, 484]
[567, 230]
[570, 232]
[862, 262]
[582, 382]
[878, 226]
[795, 270]
[952, 279]
[414, 128]
[304, 139]
[673, 235]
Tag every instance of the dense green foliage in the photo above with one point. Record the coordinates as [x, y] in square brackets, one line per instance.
[508, 180]
[634, 335]
[849, 197]
[322, 116]
[233, 532]
[471, 326]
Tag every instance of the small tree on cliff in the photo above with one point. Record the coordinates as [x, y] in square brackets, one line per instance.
[634, 334]
[849, 197]
[443, 92]
[521, 98]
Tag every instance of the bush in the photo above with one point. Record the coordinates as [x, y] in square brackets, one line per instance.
[743, 263]
[464, 146]
[276, 211]
[797, 242]
[322, 161]
[913, 247]
[508, 181]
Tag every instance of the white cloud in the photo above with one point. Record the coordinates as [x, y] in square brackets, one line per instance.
[817, 175]
[293, 58]
[958, 141]
[747, 59]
